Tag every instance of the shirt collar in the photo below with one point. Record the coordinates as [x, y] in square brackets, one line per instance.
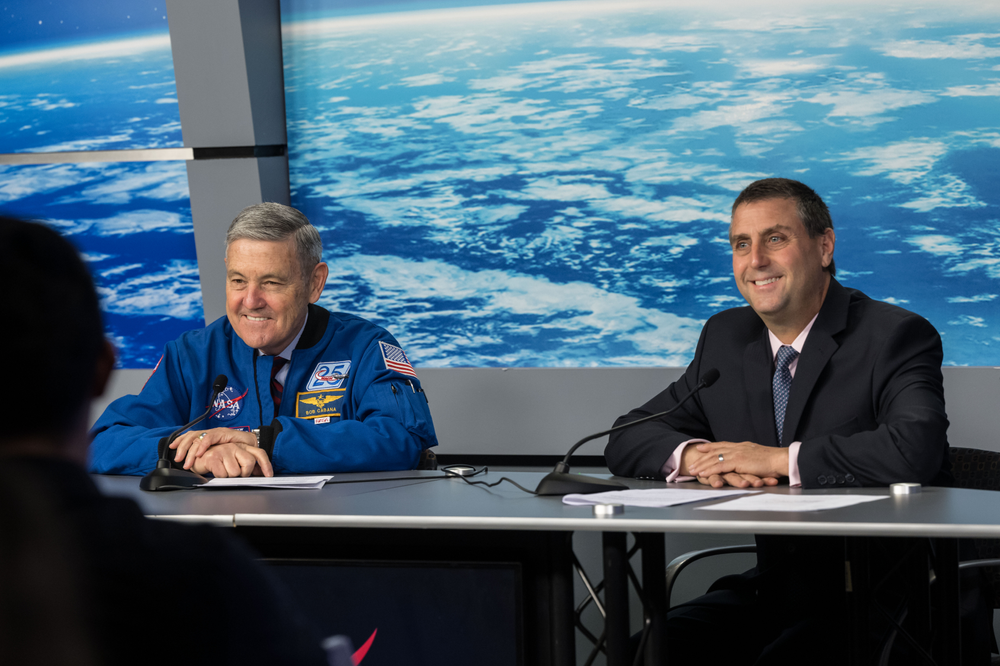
[797, 344]
[287, 352]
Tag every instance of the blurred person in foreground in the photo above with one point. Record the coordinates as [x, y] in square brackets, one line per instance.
[85, 578]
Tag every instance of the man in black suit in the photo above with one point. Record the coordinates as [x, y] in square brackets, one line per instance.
[85, 578]
[819, 385]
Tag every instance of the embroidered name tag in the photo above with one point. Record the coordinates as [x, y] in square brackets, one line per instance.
[314, 404]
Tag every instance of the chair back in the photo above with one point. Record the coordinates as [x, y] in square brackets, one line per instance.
[980, 470]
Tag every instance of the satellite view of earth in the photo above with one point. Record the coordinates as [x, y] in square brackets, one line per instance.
[131, 220]
[548, 184]
[543, 183]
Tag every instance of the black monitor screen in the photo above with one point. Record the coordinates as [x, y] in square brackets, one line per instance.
[413, 613]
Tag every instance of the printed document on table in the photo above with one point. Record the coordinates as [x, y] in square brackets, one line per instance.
[775, 502]
[651, 498]
[292, 482]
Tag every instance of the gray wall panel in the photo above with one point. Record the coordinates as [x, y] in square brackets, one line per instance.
[212, 85]
[524, 411]
[261, 23]
[227, 60]
[971, 396]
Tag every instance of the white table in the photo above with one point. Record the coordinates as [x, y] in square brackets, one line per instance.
[431, 510]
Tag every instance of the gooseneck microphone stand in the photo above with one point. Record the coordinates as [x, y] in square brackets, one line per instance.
[168, 477]
[560, 482]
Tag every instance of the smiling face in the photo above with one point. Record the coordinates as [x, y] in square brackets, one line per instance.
[777, 266]
[266, 292]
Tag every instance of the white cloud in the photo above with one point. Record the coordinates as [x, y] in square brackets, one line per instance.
[573, 73]
[45, 103]
[982, 90]
[968, 320]
[669, 102]
[588, 316]
[172, 292]
[946, 191]
[903, 162]
[991, 265]
[937, 244]
[741, 117]
[118, 270]
[660, 42]
[769, 24]
[963, 47]
[127, 223]
[18, 183]
[979, 298]
[161, 181]
[761, 68]
[422, 80]
[863, 104]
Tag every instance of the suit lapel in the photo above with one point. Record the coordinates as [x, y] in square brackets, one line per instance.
[820, 346]
[757, 371]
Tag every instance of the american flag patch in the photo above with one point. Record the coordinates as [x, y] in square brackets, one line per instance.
[395, 359]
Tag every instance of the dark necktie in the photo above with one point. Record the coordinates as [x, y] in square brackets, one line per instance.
[781, 385]
[276, 387]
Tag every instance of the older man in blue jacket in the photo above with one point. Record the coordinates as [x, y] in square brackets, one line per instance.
[308, 390]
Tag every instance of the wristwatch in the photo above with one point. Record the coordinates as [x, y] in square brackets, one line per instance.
[256, 434]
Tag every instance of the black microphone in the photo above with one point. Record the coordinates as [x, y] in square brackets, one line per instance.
[560, 482]
[167, 477]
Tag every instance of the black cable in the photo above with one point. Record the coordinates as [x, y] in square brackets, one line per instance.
[488, 485]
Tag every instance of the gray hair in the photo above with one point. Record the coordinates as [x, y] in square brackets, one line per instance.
[271, 221]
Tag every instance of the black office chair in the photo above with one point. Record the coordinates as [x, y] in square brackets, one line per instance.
[428, 460]
[980, 470]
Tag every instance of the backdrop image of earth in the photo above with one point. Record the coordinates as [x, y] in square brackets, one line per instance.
[76, 79]
[548, 184]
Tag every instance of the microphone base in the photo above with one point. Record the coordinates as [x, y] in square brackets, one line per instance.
[561, 483]
[168, 478]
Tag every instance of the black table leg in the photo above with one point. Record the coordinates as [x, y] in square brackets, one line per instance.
[947, 601]
[857, 584]
[616, 598]
[654, 568]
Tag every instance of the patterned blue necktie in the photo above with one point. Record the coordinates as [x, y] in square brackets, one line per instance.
[782, 384]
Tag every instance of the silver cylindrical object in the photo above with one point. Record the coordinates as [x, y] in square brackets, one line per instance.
[608, 510]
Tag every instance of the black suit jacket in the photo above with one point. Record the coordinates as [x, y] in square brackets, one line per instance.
[867, 400]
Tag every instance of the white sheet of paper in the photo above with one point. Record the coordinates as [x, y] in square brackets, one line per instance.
[775, 502]
[295, 482]
[652, 497]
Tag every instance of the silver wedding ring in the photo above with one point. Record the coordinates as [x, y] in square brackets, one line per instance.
[721, 459]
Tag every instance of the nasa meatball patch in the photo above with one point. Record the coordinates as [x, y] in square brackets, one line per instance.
[228, 404]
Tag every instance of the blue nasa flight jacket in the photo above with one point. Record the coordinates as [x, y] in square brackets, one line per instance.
[349, 403]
